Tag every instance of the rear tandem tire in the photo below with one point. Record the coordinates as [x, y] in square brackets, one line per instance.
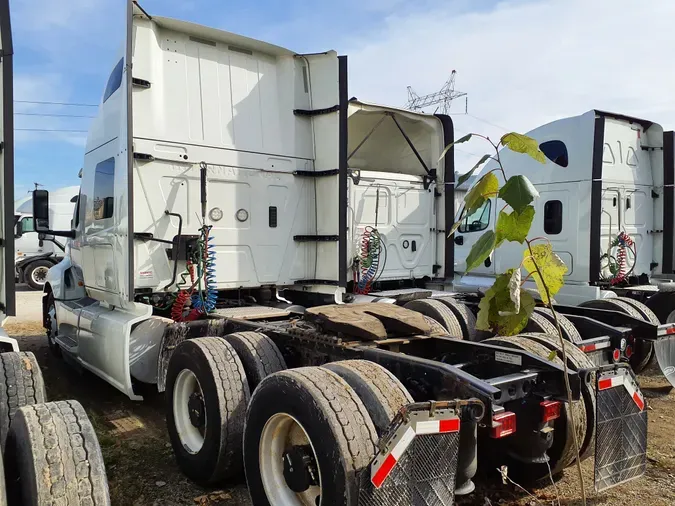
[561, 453]
[259, 355]
[576, 359]
[315, 409]
[439, 312]
[21, 384]
[464, 315]
[569, 331]
[644, 349]
[53, 457]
[379, 390]
[206, 394]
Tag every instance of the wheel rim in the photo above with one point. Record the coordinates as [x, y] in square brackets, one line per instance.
[39, 275]
[281, 432]
[190, 424]
[52, 326]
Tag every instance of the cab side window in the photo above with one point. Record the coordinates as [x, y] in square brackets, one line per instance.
[114, 81]
[104, 190]
[478, 220]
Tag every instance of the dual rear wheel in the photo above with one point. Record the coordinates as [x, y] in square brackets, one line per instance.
[302, 436]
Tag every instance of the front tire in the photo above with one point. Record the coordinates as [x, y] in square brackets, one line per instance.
[207, 394]
[52, 326]
[314, 413]
[36, 274]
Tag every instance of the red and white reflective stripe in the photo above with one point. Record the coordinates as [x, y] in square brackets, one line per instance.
[593, 347]
[616, 381]
[666, 329]
[611, 382]
[635, 394]
[421, 428]
[437, 426]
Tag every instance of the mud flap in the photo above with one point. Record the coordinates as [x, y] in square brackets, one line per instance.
[621, 434]
[417, 461]
[664, 347]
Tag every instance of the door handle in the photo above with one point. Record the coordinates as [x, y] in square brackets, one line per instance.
[459, 240]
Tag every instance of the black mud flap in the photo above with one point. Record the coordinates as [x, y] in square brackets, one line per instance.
[417, 461]
[621, 434]
[664, 347]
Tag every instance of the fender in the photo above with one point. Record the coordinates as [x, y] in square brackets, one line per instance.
[65, 281]
[43, 256]
[175, 334]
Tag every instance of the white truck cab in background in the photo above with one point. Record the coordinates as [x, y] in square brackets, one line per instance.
[34, 256]
[604, 176]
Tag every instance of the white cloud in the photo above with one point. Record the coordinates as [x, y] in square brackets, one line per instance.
[525, 63]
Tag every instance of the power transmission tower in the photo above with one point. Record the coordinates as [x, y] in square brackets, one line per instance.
[443, 98]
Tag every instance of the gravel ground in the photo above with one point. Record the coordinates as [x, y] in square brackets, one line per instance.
[142, 471]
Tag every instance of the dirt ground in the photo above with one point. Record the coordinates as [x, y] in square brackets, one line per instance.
[142, 471]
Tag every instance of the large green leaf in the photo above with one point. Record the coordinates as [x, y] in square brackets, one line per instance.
[550, 265]
[455, 226]
[514, 226]
[466, 176]
[518, 192]
[480, 250]
[458, 141]
[523, 144]
[497, 310]
[488, 185]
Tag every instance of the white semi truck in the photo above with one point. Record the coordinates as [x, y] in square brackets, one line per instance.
[264, 250]
[49, 453]
[34, 255]
[606, 205]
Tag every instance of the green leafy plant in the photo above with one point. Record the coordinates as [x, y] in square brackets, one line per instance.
[506, 306]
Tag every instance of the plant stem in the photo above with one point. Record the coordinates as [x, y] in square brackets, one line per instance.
[567, 380]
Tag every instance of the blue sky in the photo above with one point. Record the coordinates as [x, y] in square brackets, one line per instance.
[523, 62]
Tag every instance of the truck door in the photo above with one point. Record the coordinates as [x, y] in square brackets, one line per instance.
[7, 298]
[471, 229]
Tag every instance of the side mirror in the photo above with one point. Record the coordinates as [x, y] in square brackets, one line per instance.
[41, 210]
[18, 229]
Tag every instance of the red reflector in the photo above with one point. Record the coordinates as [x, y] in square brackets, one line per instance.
[671, 330]
[451, 425]
[604, 384]
[384, 470]
[616, 355]
[629, 351]
[550, 410]
[588, 347]
[503, 424]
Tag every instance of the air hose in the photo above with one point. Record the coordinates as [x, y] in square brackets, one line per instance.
[622, 242]
[183, 296]
[205, 300]
[368, 260]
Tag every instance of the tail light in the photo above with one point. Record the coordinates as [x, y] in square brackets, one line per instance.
[616, 355]
[503, 424]
[550, 410]
[629, 351]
